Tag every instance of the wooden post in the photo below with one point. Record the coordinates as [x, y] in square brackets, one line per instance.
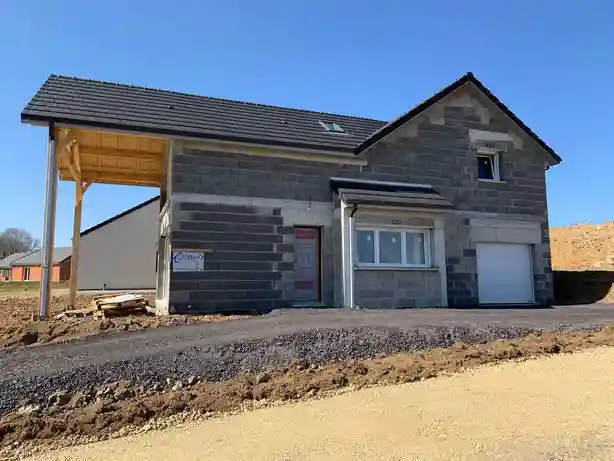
[76, 231]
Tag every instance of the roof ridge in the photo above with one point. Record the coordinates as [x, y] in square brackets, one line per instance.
[195, 95]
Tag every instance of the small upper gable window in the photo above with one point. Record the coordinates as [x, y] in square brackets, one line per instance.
[332, 127]
[488, 166]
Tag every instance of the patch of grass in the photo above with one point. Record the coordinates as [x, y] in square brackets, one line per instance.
[34, 287]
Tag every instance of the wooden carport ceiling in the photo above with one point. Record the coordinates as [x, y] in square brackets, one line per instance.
[110, 158]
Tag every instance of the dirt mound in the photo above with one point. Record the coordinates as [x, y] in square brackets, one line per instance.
[301, 380]
[18, 329]
[583, 247]
[583, 261]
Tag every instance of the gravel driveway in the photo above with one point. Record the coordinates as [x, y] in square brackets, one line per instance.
[221, 350]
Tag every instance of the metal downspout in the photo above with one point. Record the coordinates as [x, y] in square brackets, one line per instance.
[351, 249]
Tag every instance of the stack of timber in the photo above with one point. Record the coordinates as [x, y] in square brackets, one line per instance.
[119, 305]
[111, 305]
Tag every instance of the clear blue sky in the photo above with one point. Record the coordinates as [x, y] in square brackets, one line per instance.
[551, 62]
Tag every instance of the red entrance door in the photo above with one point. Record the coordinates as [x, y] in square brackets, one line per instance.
[307, 264]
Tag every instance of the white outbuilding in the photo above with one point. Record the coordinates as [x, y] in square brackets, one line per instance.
[120, 253]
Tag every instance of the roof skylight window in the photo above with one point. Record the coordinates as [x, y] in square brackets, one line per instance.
[332, 127]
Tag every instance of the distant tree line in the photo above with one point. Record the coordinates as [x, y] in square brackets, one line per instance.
[14, 240]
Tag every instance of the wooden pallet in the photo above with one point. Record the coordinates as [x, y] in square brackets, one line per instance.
[113, 311]
[76, 313]
[110, 294]
[120, 305]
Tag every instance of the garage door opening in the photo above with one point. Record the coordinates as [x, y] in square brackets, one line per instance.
[505, 273]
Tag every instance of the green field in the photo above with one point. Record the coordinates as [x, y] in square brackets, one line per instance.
[34, 287]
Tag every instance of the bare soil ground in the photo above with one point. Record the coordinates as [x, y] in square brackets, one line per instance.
[583, 247]
[18, 329]
[101, 419]
[583, 261]
[556, 408]
[28, 288]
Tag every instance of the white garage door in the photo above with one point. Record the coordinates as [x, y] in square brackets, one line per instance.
[505, 275]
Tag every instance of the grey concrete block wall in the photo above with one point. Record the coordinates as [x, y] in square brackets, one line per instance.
[247, 263]
[396, 289]
[328, 266]
[542, 263]
[239, 175]
[461, 262]
[440, 155]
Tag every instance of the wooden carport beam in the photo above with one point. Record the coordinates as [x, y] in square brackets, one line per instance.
[80, 189]
[121, 153]
[68, 154]
[74, 166]
[122, 178]
[64, 138]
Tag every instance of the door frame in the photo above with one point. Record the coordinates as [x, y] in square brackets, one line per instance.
[319, 265]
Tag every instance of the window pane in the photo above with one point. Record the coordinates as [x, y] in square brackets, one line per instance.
[485, 167]
[414, 248]
[365, 241]
[389, 247]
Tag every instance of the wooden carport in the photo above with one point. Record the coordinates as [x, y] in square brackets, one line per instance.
[89, 156]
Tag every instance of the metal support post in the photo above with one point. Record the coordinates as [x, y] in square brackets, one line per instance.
[48, 225]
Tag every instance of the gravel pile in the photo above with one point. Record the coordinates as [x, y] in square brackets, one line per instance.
[224, 361]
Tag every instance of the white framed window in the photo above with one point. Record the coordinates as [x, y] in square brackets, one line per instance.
[393, 247]
[488, 165]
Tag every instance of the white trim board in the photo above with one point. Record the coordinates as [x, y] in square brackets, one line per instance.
[489, 136]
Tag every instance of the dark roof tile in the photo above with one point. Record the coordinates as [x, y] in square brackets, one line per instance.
[102, 104]
[90, 102]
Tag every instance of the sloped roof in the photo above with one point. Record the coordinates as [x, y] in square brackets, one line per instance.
[367, 192]
[95, 103]
[103, 104]
[425, 198]
[120, 215]
[34, 259]
[467, 78]
[6, 262]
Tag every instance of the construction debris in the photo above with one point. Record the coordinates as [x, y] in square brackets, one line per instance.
[18, 330]
[120, 305]
[111, 305]
[76, 312]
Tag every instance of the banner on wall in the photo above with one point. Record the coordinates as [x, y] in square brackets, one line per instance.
[189, 260]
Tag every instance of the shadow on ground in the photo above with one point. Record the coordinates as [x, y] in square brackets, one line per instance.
[583, 287]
